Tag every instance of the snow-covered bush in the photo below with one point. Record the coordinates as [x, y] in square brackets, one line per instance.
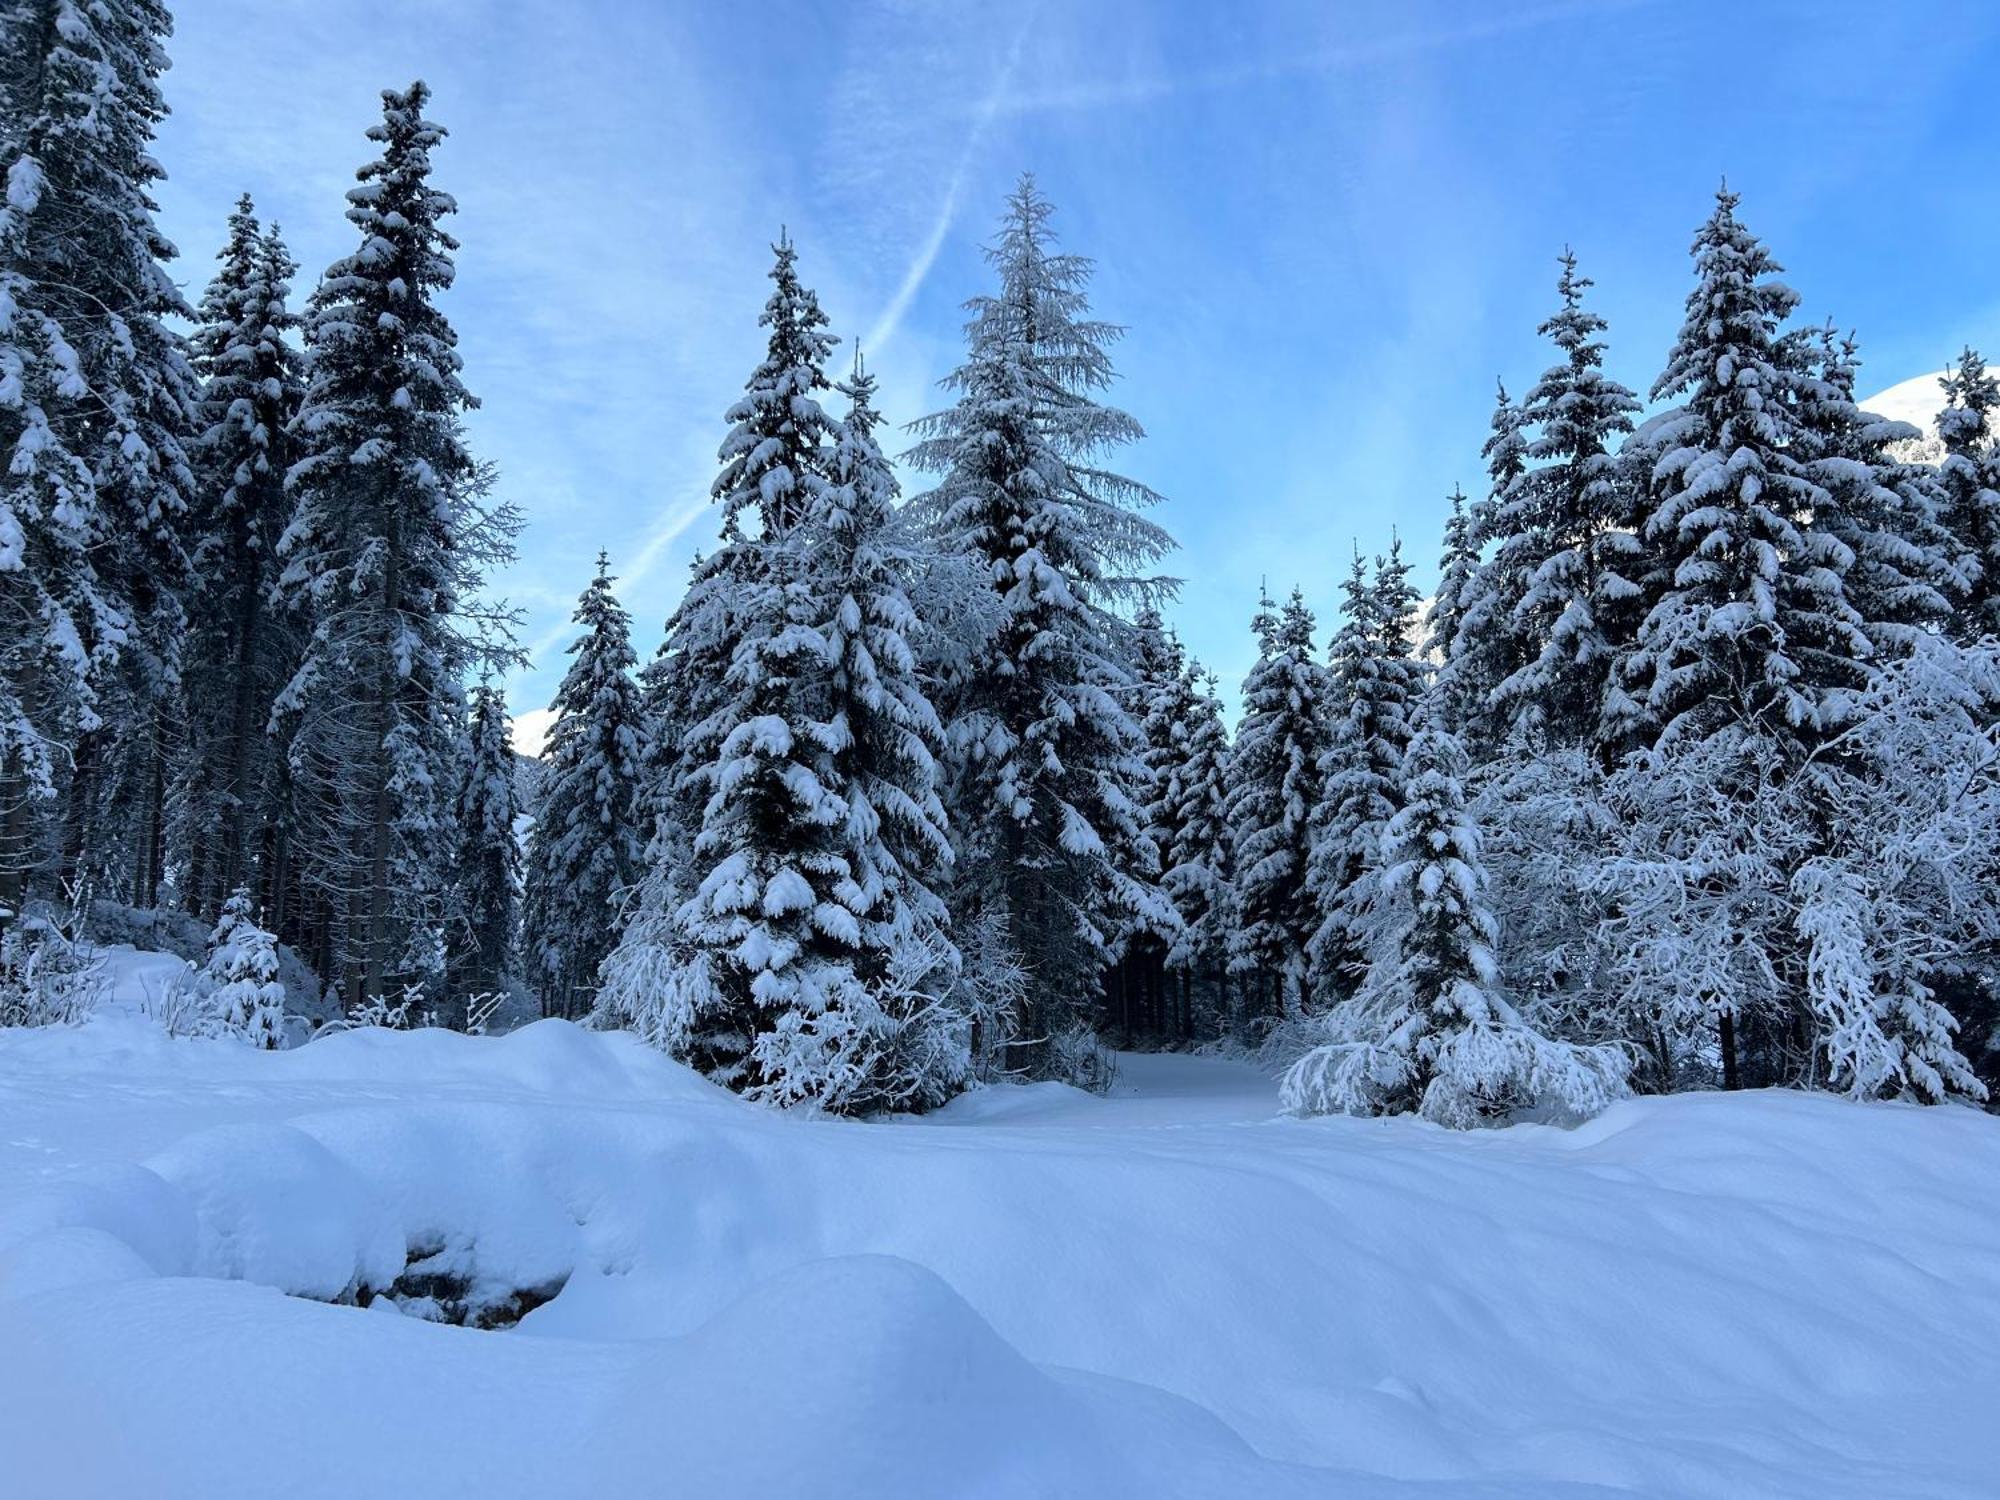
[47, 976]
[1078, 1057]
[404, 1012]
[480, 1009]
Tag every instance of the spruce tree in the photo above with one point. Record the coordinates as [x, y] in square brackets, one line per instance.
[890, 1035]
[1576, 541]
[1274, 788]
[1196, 853]
[96, 399]
[486, 869]
[243, 995]
[1754, 625]
[1044, 746]
[699, 684]
[1137, 984]
[774, 459]
[1458, 570]
[807, 959]
[1486, 648]
[1969, 484]
[1376, 684]
[587, 849]
[780, 435]
[240, 648]
[1879, 524]
[384, 558]
[1752, 651]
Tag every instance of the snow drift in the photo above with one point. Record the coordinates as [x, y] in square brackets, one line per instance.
[1167, 1292]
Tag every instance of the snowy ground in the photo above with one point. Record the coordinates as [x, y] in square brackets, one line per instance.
[1169, 1292]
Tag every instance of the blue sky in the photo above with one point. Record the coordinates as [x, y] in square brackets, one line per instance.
[1329, 226]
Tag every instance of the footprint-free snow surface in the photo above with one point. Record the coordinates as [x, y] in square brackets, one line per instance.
[1167, 1292]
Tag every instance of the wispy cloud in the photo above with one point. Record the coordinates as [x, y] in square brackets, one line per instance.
[891, 317]
[1360, 53]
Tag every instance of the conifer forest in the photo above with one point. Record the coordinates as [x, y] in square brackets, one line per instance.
[1562, 975]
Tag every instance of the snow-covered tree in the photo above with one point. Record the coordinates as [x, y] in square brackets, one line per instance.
[1969, 481]
[1903, 904]
[900, 1030]
[807, 958]
[1196, 853]
[774, 460]
[1375, 686]
[1879, 519]
[486, 869]
[1458, 567]
[1430, 1030]
[1797, 924]
[1274, 786]
[96, 398]
[1486, 648]
[240, 648]
[1754, 628]
[1575, 541]
[242, 995]
[780, 436]
[384, 557]
[1159, 671]
[587, 848]
[1136, 985]
[1044, 748]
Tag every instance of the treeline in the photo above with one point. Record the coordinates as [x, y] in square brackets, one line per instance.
[1684, 778]
[241, 569]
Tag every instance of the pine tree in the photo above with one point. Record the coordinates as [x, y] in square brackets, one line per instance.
[1486, 648]
[1458, 569]
[243, 996]
[384, 557]
[1159, 671]
[1969, 481]
[1752, 652]
[1577, 540]
[1044, 746]
[774, 460]
[1376, 683]
[774, 456]
[1430, 1031]
[1754, 628]
[1137, 984]
[1274, 787]
[891, 1036]
[240, 650]
[487, 862]
[95, 401]
[1880, 518]
[1196, 853]
[586, 850]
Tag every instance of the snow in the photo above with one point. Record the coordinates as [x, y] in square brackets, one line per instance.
[1917, 401]
[1168, 1290]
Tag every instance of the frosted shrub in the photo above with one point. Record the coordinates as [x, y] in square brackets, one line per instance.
[1076, 1056]
[47, 977]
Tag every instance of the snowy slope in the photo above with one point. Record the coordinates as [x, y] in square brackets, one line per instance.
[1916, 401]
[1169, 1292]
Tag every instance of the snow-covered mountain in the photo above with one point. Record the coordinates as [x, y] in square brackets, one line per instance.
[1917, 401]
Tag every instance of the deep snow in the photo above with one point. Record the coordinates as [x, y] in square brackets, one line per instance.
[1167, 1292]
